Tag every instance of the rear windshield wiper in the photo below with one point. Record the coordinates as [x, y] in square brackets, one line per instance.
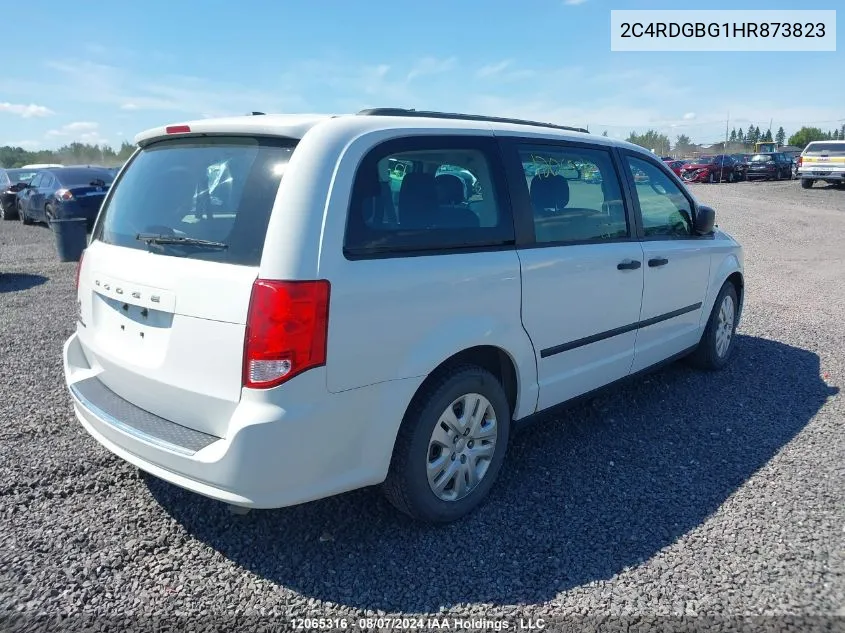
[157, 238]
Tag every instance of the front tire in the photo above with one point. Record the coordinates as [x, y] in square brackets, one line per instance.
[23, 217]
[717, 343]
[450, 447]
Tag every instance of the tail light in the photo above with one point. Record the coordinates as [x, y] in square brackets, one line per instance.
[78, 270]
[64, 194]
[178, 129]
[800, 160]
[286, 331]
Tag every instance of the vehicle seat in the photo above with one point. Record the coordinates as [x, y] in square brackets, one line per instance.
[549, 194]
[450, 189]
[454, 211]
[417, 204]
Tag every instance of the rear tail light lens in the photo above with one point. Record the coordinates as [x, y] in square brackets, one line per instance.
[78, 270]
[286, 331]
[800, 160]
[64, 194]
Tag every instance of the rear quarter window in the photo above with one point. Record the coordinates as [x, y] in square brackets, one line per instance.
[217, 189]
[428, 195]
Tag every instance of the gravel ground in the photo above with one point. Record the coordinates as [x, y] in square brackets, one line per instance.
[682, 493]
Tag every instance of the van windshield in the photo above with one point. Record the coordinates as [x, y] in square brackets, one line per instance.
[196, 191]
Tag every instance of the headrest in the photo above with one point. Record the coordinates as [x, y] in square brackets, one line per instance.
[450, 189]
[549, 192]
[417, 199]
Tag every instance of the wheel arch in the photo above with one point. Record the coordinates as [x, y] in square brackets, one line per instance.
[738, 281]
[492, 358]
[725, 267]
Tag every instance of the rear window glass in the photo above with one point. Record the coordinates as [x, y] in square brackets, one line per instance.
[219, 190]
[825, 148]
[71, 177]
[762, 158]
[21, 175]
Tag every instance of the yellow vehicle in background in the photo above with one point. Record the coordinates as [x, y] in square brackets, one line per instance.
[822, 160]
[765, 147]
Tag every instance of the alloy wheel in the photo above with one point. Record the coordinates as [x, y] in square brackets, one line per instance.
[725, 326]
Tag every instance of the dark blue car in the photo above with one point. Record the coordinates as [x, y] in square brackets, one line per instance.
[66, 192]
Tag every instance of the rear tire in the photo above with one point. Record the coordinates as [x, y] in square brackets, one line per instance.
[717, 343]
[806, 183]
[447, 457]
[6, 212]
[23, 217]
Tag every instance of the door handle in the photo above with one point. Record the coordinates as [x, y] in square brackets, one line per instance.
[629, 265]
[658, 261]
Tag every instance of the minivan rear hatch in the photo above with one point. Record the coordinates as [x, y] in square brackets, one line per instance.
[165, 284]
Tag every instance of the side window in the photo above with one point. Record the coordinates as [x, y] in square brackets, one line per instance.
[36, 182]
[665, 209]
[575, 194]
[406, 198]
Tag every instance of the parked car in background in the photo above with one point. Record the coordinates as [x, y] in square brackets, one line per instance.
[822, 160]
[12, 181]
[61, 193]
[769, 166]
[741, 164]
[676, 166]
[717, 168]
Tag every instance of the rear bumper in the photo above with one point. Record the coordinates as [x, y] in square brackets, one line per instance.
[72, 209]
[833, 176]
[767, 173]
[317, 445]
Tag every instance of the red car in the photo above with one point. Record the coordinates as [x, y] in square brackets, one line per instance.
[676, 165]
[712, 169]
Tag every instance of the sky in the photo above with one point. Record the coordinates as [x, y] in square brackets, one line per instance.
[103, 71]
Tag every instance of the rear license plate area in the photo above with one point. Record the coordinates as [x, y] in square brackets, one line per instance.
[130, 330]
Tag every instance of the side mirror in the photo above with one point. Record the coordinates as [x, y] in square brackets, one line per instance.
[705, 220]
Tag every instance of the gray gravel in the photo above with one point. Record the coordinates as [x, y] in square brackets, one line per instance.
[683, 493]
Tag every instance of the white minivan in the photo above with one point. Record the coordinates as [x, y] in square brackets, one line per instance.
[275, 309]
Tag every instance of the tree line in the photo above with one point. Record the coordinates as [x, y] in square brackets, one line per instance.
[72, 154]
[739, 138]
[85, 154]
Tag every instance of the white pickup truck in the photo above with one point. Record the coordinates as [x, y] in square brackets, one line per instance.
[822, 160]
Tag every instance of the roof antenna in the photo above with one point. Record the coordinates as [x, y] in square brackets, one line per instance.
[255, 113]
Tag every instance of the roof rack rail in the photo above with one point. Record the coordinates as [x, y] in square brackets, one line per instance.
[463, 117]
